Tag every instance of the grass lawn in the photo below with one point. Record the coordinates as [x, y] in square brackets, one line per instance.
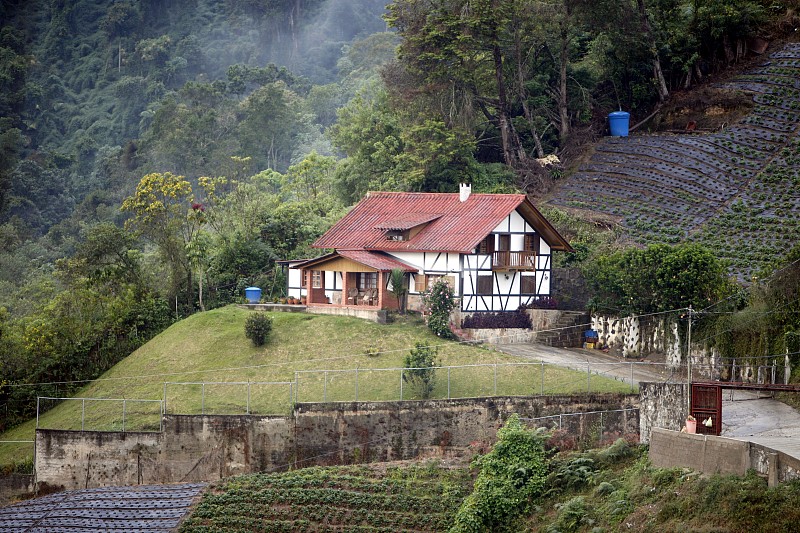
[211, 347]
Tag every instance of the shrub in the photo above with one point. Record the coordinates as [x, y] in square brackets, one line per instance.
[420, 365]
[257, 328]
[439, 301]
[541, 302]
[510, 476]
[519, 319]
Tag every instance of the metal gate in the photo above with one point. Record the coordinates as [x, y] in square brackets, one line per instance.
[707, 408]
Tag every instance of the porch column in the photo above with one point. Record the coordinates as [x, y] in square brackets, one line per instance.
[345, 288]
[307, 280]
[381, 287]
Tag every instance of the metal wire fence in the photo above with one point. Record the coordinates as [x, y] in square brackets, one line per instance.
[228, 397]
[104, 414]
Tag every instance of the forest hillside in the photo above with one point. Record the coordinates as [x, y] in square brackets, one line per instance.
[158, 156]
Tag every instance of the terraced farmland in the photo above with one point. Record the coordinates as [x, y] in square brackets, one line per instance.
[736, 190]
[353, 498]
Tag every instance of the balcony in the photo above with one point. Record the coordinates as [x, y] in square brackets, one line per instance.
[507, 261]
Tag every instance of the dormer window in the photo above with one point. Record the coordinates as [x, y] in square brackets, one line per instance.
[397, 235]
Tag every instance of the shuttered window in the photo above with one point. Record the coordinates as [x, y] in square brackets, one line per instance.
[484, 285]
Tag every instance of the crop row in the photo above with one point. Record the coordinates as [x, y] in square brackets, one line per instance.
[231, 524]
[329, 515]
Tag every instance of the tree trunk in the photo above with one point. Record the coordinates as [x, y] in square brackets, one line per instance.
[512, 147]
[661, 84]
[563, 110]
[522, 94]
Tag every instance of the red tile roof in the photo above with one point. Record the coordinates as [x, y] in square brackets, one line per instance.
[452, 225]
[377, 260]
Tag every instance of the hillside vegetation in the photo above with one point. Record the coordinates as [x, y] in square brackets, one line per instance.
[157, 157]
[732, 190]
[593, 491]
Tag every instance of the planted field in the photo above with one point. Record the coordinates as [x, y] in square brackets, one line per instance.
[355, 498]
[734, 190]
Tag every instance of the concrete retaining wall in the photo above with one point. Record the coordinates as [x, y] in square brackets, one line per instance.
[15, 486]
[207, 448]
[661, 405]
[718, 455]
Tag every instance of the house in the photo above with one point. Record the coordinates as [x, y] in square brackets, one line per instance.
[494, 249]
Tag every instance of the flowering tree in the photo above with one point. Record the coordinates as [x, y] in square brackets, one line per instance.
[438, 301]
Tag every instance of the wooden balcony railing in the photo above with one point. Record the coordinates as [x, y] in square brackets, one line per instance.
[514, 260]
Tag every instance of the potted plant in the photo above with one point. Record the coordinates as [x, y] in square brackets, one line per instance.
[303, 300]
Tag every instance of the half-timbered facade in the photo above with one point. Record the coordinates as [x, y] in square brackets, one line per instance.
[494, 249]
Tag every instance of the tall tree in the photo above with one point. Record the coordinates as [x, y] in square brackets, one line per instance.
[164, 211]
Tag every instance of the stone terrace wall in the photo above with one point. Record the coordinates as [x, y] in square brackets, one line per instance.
[207, 448]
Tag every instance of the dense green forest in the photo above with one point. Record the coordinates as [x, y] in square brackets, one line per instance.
[157, 156]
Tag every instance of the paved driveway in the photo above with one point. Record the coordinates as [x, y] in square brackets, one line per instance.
[745, 415]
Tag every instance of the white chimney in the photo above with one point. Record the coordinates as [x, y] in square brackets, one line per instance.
[463, 191]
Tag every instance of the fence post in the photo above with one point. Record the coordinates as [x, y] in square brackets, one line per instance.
[448, 382]
[356, 383]
[83, 411]
[588, 377]
[164, 400]
[248, 396]
[123, 415]
[291, 397]
[542, 378]
[325, 387]
[631, 376]
[37, 411]
[495, 379]
[203, 399]
[401, 384]
[296, 386]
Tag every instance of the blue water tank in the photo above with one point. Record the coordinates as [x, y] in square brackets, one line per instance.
[253, 295]
[618, 123]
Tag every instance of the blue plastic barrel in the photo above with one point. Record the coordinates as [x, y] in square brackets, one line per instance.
[253, 295]
[618, 123]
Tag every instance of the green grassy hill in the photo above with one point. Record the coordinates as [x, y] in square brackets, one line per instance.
[211, 347]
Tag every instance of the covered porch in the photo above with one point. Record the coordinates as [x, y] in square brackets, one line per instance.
[351, 279]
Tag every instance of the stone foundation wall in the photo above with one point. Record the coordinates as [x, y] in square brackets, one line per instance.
[207, 448]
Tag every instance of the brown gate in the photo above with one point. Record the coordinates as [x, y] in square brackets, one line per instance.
[707, 408]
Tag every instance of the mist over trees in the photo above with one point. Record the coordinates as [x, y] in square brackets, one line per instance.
[257, 123]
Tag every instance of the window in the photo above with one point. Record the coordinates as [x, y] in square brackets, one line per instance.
[528, 284]
[316, 279]
[419, 282]
[532, 242]
[396, 235]
[367, 280]
[484, 285]
[504, 243]
[486, 246]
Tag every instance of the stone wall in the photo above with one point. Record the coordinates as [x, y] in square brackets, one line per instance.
[207, 448]
[15, 486]
[642, 336]
[661, 405]
[718, 455]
